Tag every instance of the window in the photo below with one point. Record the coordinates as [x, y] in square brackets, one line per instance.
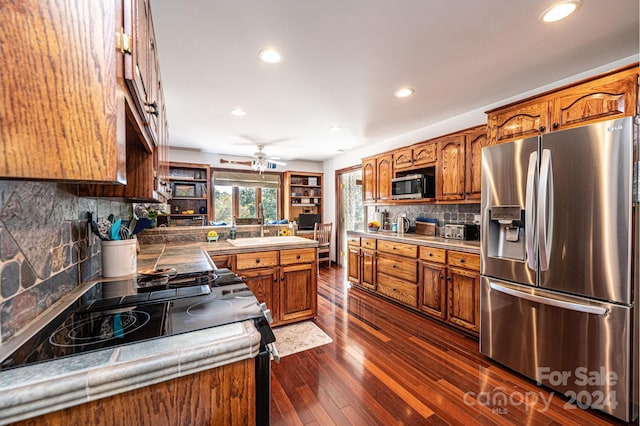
[240, 195]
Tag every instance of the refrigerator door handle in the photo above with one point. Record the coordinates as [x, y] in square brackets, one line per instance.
[545, 210]
[529, 218]
[579, 307]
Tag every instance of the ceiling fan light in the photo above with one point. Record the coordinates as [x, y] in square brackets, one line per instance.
[560, 10]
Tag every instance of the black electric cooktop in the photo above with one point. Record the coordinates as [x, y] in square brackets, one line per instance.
[127, 311]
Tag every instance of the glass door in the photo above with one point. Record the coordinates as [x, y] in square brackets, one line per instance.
[350, 209]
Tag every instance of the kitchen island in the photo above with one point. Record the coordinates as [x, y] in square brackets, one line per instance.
[193, 377]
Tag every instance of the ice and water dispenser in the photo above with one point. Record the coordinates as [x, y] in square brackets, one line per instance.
[505, 230]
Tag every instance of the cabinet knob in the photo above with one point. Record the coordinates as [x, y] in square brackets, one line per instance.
[298, 257]
[542, 129]
[257, 260]
[555, 125]
[448, 278]
[441, 276]
[394, 266]
[430, 254]
[275, 279]
[461, 260]
[282, 278]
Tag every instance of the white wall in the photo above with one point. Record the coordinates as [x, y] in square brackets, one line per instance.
[469, 119]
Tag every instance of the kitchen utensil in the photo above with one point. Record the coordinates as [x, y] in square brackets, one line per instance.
[132, 226]
[104, 227]
[115, 230]
[142, 224]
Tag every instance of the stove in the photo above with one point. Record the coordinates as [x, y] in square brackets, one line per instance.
[127, 311]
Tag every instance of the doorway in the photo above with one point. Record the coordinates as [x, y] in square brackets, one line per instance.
[349, 208]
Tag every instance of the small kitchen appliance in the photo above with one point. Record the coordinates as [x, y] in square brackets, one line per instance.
[464, 231]
[415, 186]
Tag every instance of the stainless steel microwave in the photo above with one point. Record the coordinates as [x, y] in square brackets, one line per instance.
[414, 186]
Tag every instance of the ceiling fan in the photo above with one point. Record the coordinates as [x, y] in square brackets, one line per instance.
[261, 161]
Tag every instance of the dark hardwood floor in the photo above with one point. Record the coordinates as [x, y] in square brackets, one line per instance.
[388, 366]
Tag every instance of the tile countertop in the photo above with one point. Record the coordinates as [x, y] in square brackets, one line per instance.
[422, 240]
[50, 386]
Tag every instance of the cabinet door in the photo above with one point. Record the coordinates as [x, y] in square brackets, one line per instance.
[450, 176]
[369, 179]
[521, 121]
[368, 269]
[434, 289]
[475, 141]
[263, 283]
[425, 154]
[402, 159]
[60, 112]
[136, 66]
[463, 293]
[298, 298]
[602, 99]
[353, 265]
[384, 171]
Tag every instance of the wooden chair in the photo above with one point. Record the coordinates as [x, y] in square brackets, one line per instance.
[322, 234]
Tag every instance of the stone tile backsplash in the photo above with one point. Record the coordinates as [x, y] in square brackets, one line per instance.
[45, 249]
[445, 213]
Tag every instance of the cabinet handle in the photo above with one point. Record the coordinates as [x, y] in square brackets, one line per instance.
[556, 125]
[275, 279]
[282, 278]
[393, 248]
[542, 129]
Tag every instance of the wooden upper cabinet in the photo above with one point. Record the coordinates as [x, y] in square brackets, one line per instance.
[520, 121]
[403, 158]
[61, 109]
[475, 140]
[384, 171]
[425, 153]
[608, 96]
[611, 97]
[369, 179]
[450, 170]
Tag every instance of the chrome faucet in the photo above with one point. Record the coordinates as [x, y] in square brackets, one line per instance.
[261, 219]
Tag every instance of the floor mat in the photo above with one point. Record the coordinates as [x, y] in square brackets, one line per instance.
[299, 337]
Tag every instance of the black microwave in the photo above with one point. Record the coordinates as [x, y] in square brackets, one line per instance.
[412, 187]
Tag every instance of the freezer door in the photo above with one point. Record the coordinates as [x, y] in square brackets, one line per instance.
[578, 347]
[584, 211]
[509, 181]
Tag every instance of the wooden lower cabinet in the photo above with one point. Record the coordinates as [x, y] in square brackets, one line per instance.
[298, 299]
[444, 284]
[220, 396]
[368, 269]
[263, 284]
[286, 280]
[403, 291]
[434, 289]
[353, 265]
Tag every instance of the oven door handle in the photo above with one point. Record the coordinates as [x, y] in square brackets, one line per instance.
[273, 350]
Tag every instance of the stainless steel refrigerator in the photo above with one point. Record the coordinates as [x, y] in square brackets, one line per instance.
[559, 263]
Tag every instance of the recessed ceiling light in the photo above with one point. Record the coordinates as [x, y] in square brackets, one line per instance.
[238, 112]
[560, 10]
[270, 56]
[404, 92]
[335, 128]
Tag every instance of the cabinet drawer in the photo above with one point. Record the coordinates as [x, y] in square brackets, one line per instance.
[259, 259]
[399, 290]
[369, 243]
[353, 241]
[400, 249]
[289, 257]
[464, 260]
[398, 267]
[431, 254]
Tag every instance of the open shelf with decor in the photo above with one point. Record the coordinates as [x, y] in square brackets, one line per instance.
[190, 195]
[303, 193]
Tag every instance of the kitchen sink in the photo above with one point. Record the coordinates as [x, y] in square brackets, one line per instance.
[265, 241]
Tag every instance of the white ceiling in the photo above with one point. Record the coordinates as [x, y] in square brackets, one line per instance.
[343, 59]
